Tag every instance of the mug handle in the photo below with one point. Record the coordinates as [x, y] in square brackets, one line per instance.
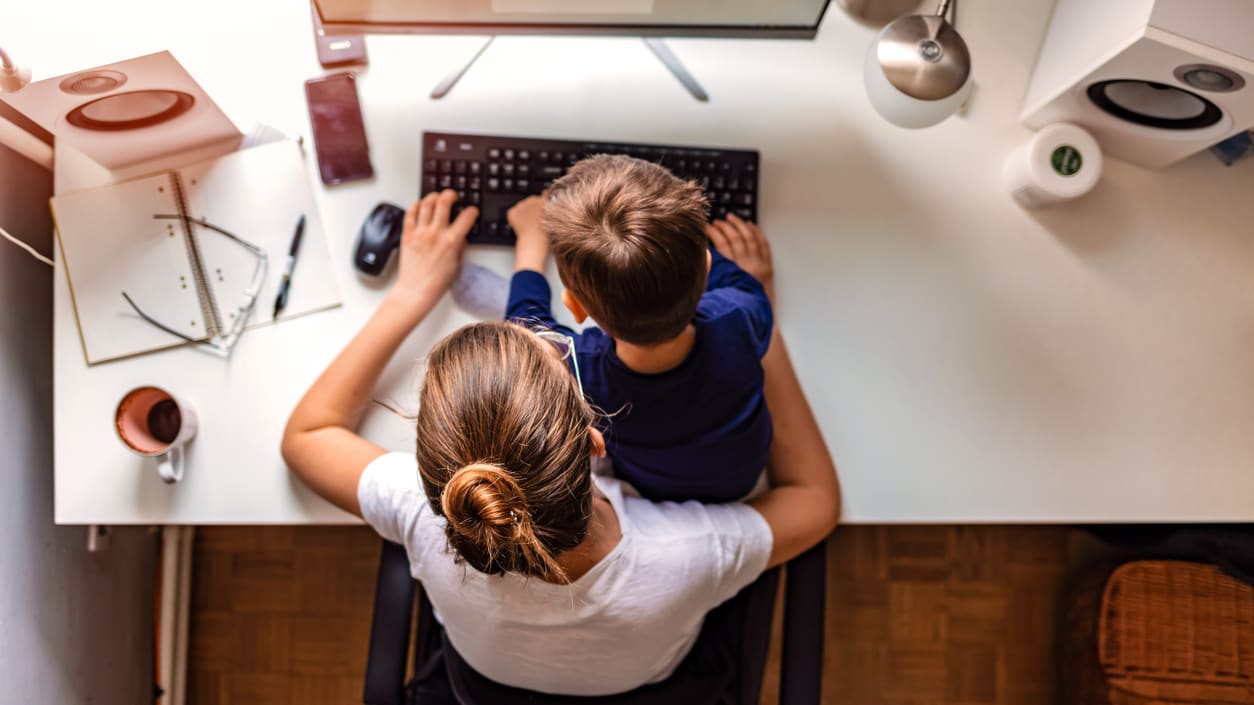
[170, 465]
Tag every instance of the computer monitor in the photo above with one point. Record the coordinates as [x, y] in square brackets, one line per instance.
[793, 19]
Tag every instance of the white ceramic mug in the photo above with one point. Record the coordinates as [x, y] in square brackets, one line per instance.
[154, 423]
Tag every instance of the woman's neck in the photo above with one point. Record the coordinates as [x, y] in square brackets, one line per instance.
[661, 357]
[603, 535]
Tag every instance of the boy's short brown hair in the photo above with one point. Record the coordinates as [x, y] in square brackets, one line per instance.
[629, 240]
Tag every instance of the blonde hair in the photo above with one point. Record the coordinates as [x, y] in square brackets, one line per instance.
[504, 450]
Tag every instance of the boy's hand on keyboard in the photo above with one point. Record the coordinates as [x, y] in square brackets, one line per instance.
[744, 243]
[532, 249]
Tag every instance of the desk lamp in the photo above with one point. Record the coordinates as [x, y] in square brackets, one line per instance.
[918, 70]
[12, 77]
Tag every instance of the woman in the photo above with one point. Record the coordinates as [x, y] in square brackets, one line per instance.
[546, 578]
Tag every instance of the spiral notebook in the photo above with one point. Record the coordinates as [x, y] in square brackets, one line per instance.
[185, 246]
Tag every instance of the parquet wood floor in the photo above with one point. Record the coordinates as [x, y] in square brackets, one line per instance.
[917, 615]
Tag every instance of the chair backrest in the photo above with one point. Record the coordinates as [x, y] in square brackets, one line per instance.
[725, 665]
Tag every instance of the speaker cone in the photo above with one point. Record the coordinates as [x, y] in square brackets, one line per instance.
[129, 111]
[92, 82]
[1154, 104]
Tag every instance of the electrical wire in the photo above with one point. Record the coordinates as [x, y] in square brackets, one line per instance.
[24, 246]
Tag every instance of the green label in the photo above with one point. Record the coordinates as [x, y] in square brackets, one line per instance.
[1066, 160]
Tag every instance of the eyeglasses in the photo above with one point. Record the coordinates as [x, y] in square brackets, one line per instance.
[566, 346]
[221, 338]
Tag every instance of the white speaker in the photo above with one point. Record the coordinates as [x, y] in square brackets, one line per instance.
[1153, 80]
[128, 113]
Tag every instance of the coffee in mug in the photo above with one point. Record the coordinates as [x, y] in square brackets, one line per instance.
[154, 423]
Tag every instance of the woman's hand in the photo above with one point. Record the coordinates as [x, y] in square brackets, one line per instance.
[431, 250]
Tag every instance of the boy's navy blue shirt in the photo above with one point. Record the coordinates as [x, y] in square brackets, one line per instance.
[699, 431]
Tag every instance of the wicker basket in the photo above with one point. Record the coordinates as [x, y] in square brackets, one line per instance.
[1167, 633]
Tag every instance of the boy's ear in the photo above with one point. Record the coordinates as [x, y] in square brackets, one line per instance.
[572, 304]
[598, 442]
[709, 260]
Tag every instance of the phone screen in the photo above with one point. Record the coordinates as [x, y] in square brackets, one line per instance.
[338, 130]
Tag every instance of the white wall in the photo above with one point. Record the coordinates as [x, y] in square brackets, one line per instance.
[74, 627]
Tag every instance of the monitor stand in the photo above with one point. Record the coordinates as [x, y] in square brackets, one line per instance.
[657, 45]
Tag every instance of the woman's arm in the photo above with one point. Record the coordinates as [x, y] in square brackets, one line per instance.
[803, 504]
[319, 443]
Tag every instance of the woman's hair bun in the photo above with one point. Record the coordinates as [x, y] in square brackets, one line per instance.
[490, 524]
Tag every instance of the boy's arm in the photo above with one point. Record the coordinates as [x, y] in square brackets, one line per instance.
[530, 302]
[532, 249]
[741, 288]
[530, 298]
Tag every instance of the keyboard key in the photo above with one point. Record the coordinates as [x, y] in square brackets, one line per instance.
[446, 181]
[459, 182]
[430, 165]
[552, 171]
[524, 169]
[509, 154]
[507, 169]
[507, 185]
[524, 155]
[473, 184]
[446, 165]
[474, 198]
[746, 199]
[558, 157]
[494, 169]
[733, 183]
[523, 186]
[494, 153]
[720, 183]
[476, 167]
[724, 197]
[429, 183]
[494, 184]
[744, 213]
[459, 166]
[544, 156]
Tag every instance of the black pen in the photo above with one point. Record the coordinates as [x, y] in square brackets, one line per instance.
[288, 266]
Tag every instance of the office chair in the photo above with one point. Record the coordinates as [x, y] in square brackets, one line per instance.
[442, 677]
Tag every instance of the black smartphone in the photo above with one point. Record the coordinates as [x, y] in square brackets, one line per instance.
[338, 131]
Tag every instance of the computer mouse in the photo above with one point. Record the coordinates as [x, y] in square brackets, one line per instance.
[378, 238]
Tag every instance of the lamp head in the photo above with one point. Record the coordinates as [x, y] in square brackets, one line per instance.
[917, 71]
[13, 78]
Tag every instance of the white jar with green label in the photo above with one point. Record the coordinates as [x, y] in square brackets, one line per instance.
[1061, 162]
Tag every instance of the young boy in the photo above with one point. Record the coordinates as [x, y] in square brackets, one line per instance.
[676, 362]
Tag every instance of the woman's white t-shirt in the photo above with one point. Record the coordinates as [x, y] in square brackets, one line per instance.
[628, 621]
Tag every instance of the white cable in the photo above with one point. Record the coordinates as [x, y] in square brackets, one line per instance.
[26, 247]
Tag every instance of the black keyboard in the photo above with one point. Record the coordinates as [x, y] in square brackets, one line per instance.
[494, 173]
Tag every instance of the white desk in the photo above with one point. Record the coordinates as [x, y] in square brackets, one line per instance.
[968, 362]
